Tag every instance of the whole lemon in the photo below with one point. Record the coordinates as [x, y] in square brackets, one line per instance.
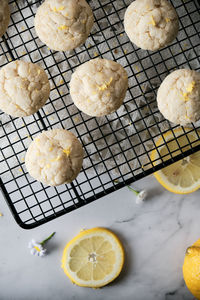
[191, 269]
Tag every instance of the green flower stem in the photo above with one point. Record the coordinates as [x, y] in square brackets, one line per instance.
[47, 239]
[132, 190]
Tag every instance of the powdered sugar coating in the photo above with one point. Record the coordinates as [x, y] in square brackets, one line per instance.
[54, 157]
[151, 24]
[64, 24]
[24, 88]
[179, 97]
[98, 87]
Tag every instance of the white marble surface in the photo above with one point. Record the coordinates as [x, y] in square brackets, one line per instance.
[155, 236]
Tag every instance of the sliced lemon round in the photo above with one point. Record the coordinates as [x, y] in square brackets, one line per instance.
[183, 176]
[93, 258]
[191, 268]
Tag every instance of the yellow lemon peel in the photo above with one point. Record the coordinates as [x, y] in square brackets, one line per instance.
[189, 90]
[152, 21]
[55, 159]
[191, 86]
[58, 9]
[181, 177]
[105, 85]
[191, 269]
[67, 151]
[93, 258]
[37, 140]
[63, 27]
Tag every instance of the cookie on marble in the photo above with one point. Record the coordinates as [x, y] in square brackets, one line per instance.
[151, 24]
[24, 88]
[63, 25]
[4, 16]
[54, 157]
[98, 87]
[179, 97]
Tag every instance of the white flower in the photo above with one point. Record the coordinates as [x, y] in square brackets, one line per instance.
[36, 248]
[141, 197]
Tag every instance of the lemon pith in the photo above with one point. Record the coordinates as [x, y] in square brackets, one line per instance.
[191, 269]
[93, 258]
[183, 176]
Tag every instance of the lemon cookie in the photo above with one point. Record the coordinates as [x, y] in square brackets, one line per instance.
[179, 97]
[63, 24]
[151, 24]
[24, 88]
[98, 87]
[54, 157]
[4, 16]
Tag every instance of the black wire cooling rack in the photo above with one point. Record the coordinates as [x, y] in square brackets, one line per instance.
[118, 147]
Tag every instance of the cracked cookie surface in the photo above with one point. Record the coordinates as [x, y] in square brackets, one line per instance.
[54, 157]
[63, 25]
[98, 87]
[24, 88]
[179, 97]
[4, 16]
[151, 24]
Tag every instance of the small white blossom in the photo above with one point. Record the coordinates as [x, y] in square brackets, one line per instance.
[141, 197]
[36, 248]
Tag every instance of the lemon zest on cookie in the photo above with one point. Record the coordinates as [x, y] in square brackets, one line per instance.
[60, 8]
[191, 86]
[189, 89]
[55, 159]
[67, 151]
[63, 27]
[152, 21]
[105, 85]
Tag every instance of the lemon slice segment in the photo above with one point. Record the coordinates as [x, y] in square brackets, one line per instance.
[191, 268]
[93, 258]
[182, 177]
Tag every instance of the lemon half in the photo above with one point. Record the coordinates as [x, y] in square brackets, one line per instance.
[93, 258]
[181, 177]
[191, 269]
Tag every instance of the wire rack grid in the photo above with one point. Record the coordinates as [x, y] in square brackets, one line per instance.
[117, 147]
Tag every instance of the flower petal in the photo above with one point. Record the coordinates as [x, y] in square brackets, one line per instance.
[30, 245]
[141, 197]
[33, 251]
